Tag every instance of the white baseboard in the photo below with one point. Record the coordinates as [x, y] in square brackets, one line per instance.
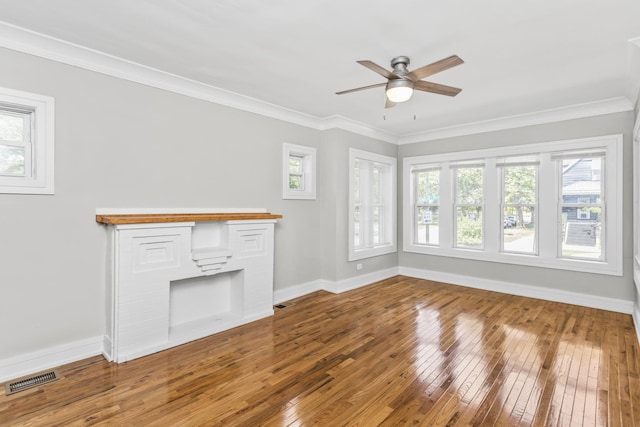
[47, 358]
[358, 281]
[286, 294]
[557, 295]
[340, 286]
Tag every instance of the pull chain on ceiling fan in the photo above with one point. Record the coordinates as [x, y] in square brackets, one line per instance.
[401, 82]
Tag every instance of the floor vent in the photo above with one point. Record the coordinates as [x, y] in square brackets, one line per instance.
[33, 381]
[283, 305]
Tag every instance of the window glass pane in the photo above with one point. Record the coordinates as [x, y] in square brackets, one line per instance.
[11, 161]
[581, 180]
[520, 185]
[581, 232]
[377, 225]
[375, 189]
[428, 187]
[427, 227]
[11, 128]
[295, 182]
[469, 185]
[357, 238]
[581, 214]
[469, 227]
[356, 181]
[295, 164]
[519, 233]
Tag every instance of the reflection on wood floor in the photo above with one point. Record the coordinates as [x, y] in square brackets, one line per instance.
[400, 352]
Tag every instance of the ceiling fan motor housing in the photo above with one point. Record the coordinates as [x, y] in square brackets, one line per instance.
[399, 65]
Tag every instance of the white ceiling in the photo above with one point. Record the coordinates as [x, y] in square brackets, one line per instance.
[520, 56]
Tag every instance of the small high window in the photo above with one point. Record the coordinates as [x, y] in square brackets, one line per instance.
[26, 143]
[298, 172]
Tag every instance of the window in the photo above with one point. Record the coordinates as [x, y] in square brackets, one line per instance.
[468, 205]
[26, 143]
[299, 176]
[372, 206]
[519, 181]
[426, 205]
[581, 209]
[556, 204]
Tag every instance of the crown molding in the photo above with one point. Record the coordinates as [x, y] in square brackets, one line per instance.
[26, 41]
[633, 71]
[579, 111]
[33, 43]
[340, 122]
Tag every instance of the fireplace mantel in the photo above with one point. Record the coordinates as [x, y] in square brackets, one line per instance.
[174, 277]
[113, 219]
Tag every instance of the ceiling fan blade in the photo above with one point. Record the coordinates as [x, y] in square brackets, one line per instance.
[436, 67]
[388, 103]
[378, 69]
[360, 88]
[436, 88]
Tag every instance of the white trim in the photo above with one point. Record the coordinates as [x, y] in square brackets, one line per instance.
[26, 41]
[291, 292]
[578, 111]
[548, 294]
[338, 287]
[344, 123]
[356, 282]
[636, 128]
[633, 71]
[47, 358]
[23, 40]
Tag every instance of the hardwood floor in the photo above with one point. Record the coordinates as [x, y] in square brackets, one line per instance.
[400, 352]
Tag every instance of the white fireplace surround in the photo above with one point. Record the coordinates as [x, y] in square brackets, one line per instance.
[173, 282]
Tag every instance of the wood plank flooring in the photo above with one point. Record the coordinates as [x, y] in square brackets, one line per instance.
[400, 352]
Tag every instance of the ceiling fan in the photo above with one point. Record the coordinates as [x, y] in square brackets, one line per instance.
[401, 82]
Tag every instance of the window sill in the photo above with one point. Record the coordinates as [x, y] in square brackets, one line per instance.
[585, 266]
[369, 253]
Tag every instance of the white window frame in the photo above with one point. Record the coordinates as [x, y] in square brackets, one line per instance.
[39, 149]
[389, 199]
[308, 156]
[548, 202]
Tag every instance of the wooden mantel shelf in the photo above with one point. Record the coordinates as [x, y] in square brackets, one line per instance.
[182, 217]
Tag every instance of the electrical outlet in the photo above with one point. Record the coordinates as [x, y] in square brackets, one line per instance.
[358, 266]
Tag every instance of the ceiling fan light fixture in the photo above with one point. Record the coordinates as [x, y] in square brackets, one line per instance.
[399, 90]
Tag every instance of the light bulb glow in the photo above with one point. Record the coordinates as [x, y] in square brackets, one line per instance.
[399, 90]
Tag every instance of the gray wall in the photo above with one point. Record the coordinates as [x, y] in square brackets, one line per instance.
[335, 184]
[594, 284]
[124, 145]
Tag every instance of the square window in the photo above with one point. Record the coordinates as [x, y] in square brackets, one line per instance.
[298, 172]
[26, 143]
